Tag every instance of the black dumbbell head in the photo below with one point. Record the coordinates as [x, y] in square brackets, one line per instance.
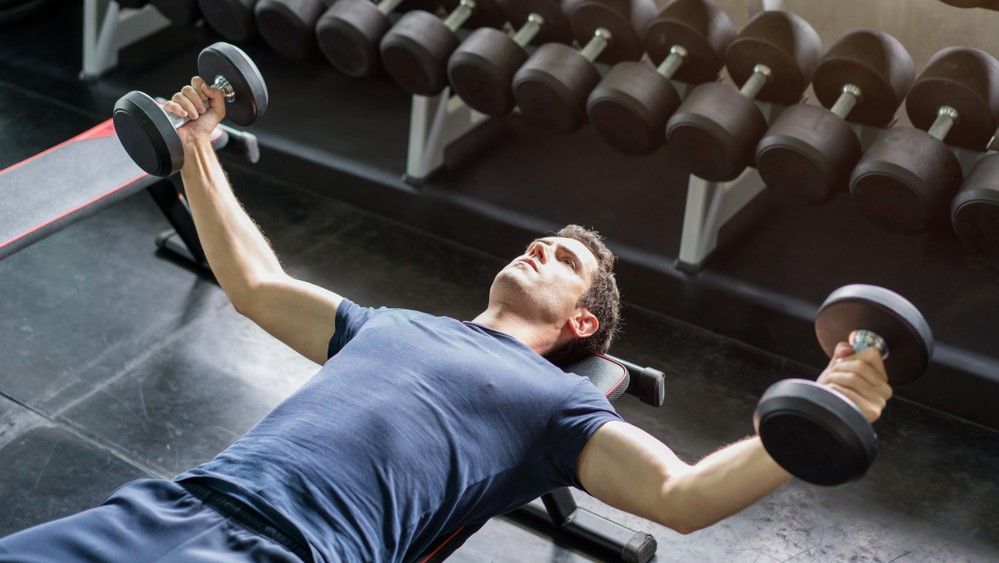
[230, 62]
[786, 44]
[715, 131]
[700, 27]
[551, 87]
[621, 19]
[349, 33]
[147, 134]
[288, 26]
[481, 70]
[630, 105]
[975, 210]
[873, 61]
[232, 19]
[815, 434]
[965, 79]
[904, 180]
[808, 151]
[885, 313]
[415, 53]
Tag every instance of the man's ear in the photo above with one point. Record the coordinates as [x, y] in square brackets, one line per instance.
[583, 323]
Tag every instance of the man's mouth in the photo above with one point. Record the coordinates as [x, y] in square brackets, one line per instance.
[530, 262]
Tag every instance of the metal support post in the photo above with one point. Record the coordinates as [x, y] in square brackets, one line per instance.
[435, 122]
[107, 28]
[710, 205]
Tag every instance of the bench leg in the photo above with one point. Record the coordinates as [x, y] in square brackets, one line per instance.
[182, 241]
[558, 514]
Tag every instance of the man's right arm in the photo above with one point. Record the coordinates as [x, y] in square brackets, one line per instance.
[297, 313]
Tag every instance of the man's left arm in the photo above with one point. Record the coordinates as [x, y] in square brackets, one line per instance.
[629, 469]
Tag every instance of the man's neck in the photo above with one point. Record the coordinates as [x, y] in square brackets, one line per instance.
[530, 333]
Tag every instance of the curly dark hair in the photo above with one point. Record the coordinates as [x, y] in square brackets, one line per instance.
[602, 299]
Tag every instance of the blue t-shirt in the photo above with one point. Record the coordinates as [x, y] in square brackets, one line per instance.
[419, 425]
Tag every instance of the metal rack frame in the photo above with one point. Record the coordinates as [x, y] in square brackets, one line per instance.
[107, 28]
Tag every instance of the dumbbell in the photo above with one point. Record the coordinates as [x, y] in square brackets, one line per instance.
[905, 179]
[810, 150]
[232, 19]
[349, 32]
[288, 26]
[149, 134]
[552, 86]
[630, 106]
[415, 51]
[818, 434]
[717, 127]
[974, 213]
[180, 12]
[481, 69]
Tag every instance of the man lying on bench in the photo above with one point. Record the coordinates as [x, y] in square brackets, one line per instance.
[416, 425]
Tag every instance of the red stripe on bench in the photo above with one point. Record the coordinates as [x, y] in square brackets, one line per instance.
[620, 365]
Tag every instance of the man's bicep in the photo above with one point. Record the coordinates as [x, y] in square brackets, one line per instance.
[627, 468]
[298, 313]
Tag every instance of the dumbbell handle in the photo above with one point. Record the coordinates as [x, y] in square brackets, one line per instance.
[946, 118]
[672, 63]
[849, 97]
[220, 83]
[529, 30]
[761, 75]
[863, 339]
[596, 45]
[460, 15]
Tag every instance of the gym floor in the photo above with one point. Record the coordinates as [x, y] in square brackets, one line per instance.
[119, 363]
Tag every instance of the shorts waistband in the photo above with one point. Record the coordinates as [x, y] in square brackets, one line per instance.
[240, 513]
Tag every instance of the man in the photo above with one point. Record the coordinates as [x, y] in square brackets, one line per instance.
[415, 425]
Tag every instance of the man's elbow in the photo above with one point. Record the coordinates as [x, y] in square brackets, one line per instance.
[681, 525]
[682, 511]
[246, 295]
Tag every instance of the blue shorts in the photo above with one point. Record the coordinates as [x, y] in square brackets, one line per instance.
[152, 520]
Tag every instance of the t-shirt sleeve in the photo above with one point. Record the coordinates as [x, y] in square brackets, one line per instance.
[581, 414]
[350, 317]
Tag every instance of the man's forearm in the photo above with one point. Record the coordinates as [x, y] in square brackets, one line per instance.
[237, 251]
[723, 483]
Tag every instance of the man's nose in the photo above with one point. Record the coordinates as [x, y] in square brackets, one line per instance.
[539, 251]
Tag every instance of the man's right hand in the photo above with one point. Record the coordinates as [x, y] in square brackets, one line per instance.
[193, 102]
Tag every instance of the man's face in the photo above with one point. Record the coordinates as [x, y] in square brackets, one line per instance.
[547, 280]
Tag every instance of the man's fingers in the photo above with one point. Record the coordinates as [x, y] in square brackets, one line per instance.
[174, 108]
[195, 97]
[865, 371]
[197, 82]
[187, 105]
[870, 409]
[842, 350]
